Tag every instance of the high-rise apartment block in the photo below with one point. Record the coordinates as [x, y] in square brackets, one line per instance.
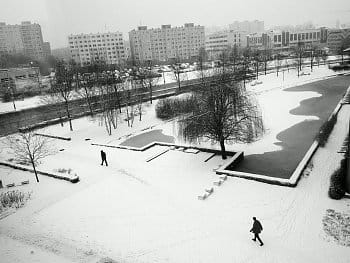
[247, 26]
[217, 42]
[47, 49]
[91, 48]
[25, 39]
[166, 43]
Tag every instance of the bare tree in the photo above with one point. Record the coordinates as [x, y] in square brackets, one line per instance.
[88, 91]
[234, 56]
[278, 63]
[324, 57]
[317, 56]
[257, 58]
[149, 80]
[223, 111]
[202, 57]
[299, 53]
[266, 57]
[179, 74]
[62, 88]
[29, 147]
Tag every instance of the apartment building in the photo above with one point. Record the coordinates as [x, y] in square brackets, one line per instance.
[166, 43]
[336, 39]
[25, 39]
[286, 40]
[47, 49]
[217, 42]
[247, 26]
[91, 48]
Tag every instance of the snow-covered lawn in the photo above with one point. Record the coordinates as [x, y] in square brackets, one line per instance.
[138, 211]
[133, 211]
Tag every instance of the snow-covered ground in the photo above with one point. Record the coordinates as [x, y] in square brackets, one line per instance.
[133, 211]
[138, 211]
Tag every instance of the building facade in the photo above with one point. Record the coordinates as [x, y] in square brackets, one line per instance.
[336, 38]
[25, 39]
[247, 26]
[47, 49]
[216, 43]
[280, 41]
[86, 49]
[166, 43]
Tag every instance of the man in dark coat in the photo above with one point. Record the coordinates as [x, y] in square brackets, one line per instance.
[103, 157]
[256, 229]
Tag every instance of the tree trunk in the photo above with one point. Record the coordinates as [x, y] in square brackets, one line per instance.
[140, 108]
[88, 100]
[35, 172]
[151, 91]
[223, 150]
[68, 115]
[127, 114]
[311, 60]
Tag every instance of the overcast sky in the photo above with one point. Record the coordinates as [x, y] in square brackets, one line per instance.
[59, 18]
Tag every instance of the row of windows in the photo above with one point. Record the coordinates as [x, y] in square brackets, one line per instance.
[95, 36]
[299, 36]
[96, 45]
[94, 40]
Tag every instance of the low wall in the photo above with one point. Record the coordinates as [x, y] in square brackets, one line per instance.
[72, 179]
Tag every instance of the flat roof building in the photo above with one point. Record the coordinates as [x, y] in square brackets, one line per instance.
[166, 43]
[86, 49]
[25, 39]
[218, 42]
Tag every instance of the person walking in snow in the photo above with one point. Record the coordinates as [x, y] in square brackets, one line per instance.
[103, 157]
[256, 230]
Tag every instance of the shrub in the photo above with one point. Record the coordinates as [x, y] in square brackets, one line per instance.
[326, 130]
[13, 199]
[165, 109]
[170, 108]
[337, 181]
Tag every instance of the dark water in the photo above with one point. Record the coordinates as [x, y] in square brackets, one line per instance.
[296, 140]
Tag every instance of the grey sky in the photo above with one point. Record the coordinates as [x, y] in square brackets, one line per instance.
[59, 18]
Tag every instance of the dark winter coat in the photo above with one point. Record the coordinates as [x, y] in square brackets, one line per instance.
[103, 155]
[257, 227]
